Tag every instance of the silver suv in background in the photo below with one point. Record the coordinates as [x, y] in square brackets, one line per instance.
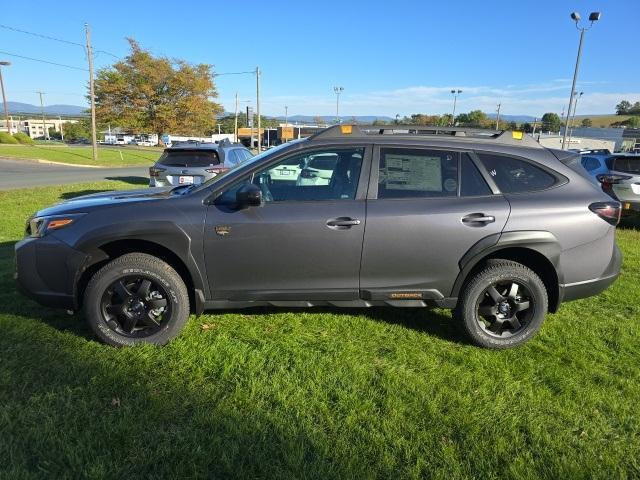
[622, 181]
[195, 163]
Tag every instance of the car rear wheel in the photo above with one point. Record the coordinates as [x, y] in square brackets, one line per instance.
[136, 298]
[502, 305]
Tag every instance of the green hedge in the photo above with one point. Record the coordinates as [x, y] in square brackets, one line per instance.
[6, 138]
[23, 138]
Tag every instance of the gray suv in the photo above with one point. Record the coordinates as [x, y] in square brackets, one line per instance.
[489, 224]
[195, 163]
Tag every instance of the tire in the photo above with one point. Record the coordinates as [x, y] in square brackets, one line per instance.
[136, 298]
[497, 315]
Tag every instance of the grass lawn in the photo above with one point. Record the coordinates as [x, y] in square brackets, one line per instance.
[601, 120]
[83, 155]
[323, 393]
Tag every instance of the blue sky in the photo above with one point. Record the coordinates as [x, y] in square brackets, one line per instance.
[391, 57]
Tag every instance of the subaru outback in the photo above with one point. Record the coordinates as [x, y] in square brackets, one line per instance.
[490, 224]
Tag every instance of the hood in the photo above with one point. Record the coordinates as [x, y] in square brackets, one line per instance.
[86, 203]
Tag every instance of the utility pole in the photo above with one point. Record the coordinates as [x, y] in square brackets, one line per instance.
[286, 121]
[61, 130]
[94, 139]
[498, 116]
[4, 98]
[258, 104]
[44, 125]
[235, 125]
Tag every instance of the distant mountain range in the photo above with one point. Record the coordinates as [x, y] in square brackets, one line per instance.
[18, 108]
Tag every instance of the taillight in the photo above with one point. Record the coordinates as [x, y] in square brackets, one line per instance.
[155, 171]
[608, 211]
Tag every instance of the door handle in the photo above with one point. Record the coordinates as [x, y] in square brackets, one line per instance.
[342, 222]
[478, 219]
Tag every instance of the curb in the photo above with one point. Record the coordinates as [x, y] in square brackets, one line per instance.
[49, 162]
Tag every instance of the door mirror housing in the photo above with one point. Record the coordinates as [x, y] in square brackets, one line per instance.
[249, 195]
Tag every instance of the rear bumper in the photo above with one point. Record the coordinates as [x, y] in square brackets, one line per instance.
[47, 271]
[590, 288]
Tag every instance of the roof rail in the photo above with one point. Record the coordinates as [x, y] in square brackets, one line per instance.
[500, 136]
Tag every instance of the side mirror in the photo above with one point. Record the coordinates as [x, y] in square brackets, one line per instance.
[249, 195]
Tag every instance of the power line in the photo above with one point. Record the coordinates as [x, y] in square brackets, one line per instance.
[43, 61]
[7, 27]
[55, 39]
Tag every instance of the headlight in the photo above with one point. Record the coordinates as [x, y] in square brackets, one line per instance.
[40, 226]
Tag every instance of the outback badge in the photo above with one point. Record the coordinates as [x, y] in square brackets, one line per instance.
[222, 230]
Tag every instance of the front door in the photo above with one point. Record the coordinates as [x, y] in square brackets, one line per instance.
[427, 208]
[304, 242]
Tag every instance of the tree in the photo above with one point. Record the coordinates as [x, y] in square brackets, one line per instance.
[54, 134]
[156, 95]
[77, 130]
[586, 122]
[551, 122]
[475, 118]
[633, 122]
[623, 107]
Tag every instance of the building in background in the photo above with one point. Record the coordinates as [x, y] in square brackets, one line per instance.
[34, 126]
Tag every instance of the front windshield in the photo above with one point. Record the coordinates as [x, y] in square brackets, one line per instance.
[245, 165]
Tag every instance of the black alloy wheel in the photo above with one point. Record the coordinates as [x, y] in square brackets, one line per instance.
[504, 308]
[135, 306]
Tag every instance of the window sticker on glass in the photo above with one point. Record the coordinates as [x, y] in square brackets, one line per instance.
[413, 172]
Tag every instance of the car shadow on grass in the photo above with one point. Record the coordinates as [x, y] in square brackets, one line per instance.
[131, 179]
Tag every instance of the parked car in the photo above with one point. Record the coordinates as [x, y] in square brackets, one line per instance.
[596, 163]
[490, 224]
[622, 181]
[195, 163]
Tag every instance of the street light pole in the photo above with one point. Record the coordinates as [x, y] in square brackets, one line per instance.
[498, 116]
[94, 135]
[235, 124]
[258, 105]
[338, 91]
[575, 16]
[573, 117]
[455, 98]
[4, 63]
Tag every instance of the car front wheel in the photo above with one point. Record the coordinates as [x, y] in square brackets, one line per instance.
[502, 305]
[136, 298]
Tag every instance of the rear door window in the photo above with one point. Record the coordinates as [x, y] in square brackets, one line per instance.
[472, 184]
[513, 175]
[189, 158]
[417, 173]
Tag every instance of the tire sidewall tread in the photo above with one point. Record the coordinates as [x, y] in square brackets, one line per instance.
[496, 270]
[146, 265]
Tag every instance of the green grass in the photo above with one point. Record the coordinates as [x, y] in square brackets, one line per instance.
[82, 155]
[601, 120]
[318, 393]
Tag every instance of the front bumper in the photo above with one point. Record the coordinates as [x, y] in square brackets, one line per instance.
[47, 270]
[590, 288]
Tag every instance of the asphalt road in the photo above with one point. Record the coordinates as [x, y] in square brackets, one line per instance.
[24, 174]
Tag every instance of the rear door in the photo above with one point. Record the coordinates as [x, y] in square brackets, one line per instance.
[426, 208]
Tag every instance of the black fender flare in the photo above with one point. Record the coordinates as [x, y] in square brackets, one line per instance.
[539, 241]
[165, 234]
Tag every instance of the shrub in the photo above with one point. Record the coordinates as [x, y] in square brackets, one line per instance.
[6, 138]
[23, 138]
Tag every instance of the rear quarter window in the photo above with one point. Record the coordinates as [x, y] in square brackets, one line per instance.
[514, 175]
